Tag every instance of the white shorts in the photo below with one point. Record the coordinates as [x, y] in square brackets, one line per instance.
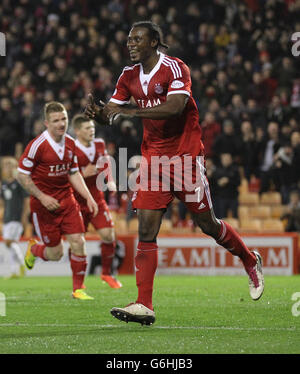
[12, 230]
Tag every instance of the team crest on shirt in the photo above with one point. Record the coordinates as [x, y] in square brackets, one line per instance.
[70, 154]
[158, 88]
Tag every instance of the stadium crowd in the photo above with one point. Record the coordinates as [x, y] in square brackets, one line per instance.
[246, 82]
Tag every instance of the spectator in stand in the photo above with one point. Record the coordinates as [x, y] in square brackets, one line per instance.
[292, 212]
[227, 179]
[295, 143]
[248, 150]
[276, 112]
[270, 81]
[283, 165]
[285, 71]
[210, 130]
[254, 114]
[258, 90]
[227, 141]
[236, 109]
[223, 94]
[266, 151]
[222, 39]
[10, 134]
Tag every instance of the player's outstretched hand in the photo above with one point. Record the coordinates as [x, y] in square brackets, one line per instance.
[94, 111]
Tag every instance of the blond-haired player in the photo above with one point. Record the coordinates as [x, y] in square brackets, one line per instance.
[48, 171]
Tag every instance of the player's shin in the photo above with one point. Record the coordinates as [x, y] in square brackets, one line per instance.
[146, 264]
[230, 239]
[78, 267]
[107, 256]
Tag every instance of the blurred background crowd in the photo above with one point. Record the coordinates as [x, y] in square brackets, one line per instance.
[246, 82]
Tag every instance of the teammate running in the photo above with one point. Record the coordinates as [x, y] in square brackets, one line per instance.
[89, 150]
[48, 170]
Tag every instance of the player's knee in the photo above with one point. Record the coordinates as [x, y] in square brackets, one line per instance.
[55, 253]
[147, 233]
[58, 255]
[77, 243]
[107, 235]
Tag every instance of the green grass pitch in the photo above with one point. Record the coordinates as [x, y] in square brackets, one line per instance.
[194, 315]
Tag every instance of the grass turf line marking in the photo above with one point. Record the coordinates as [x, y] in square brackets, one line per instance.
[154, 327]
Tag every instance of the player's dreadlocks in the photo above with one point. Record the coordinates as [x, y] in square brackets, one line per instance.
[154, 32]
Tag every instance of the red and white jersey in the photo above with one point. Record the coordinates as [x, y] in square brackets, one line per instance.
[170, 137]
[49, 163]
[90, 155]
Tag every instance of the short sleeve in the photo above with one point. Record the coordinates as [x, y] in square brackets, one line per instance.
[74, 167]
[122, 94]
[28, 160]
[180, 82]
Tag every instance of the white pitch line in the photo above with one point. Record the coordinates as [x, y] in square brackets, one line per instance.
[233, 328]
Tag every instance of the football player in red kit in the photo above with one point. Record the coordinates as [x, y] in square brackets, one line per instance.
[48, 170]
[161, 87]
[89, 150]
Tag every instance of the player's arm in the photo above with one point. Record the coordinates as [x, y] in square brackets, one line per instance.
[29, 186]
[89, 170]
[79, 185]
[172, 107]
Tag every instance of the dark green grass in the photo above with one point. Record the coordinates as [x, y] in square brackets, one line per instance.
[193, 315]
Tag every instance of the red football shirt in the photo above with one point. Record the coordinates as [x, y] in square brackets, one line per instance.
[90, 155]
[49, 163]
[170, 137]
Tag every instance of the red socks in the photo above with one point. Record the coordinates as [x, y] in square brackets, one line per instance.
[107, 256]
[229, 239]
[146, 264]
[38, 250]
[78, 266]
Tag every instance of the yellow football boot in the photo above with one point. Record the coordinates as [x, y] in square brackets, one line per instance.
[29, 257]
[81, 295]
